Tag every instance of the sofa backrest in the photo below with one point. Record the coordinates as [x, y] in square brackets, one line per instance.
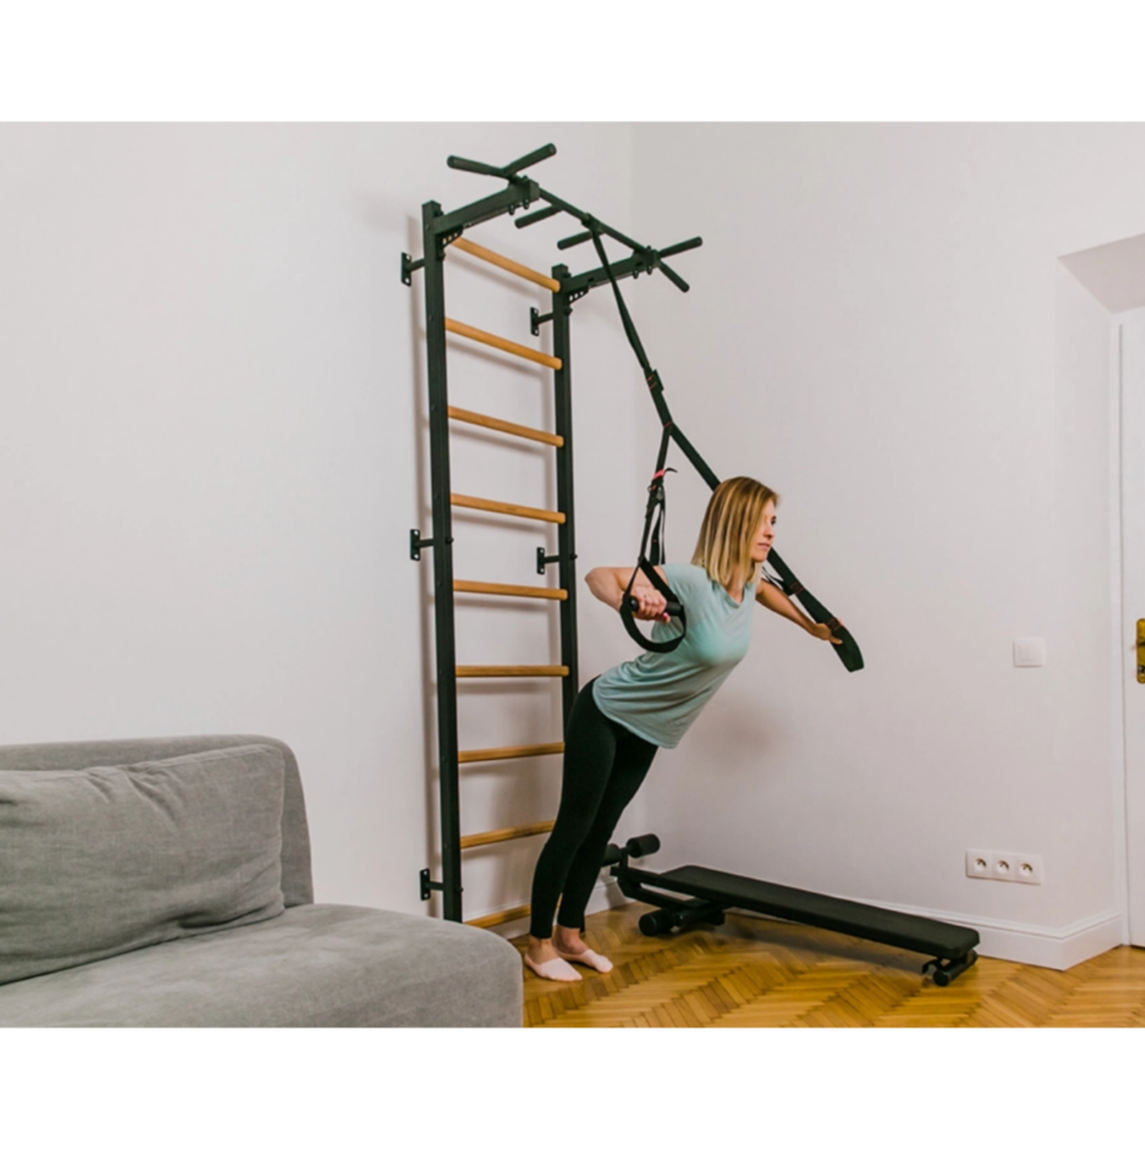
[297, 882]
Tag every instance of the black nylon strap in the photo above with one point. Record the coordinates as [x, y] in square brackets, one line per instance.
[848, 650]
[629, 619]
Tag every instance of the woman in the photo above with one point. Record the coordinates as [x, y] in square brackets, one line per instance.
[619, 719]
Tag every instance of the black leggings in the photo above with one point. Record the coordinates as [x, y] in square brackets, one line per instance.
[604, 765]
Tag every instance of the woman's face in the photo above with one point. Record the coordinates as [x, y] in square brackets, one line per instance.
[765, 535]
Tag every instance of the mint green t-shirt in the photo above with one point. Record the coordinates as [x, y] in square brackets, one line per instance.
[658, 695]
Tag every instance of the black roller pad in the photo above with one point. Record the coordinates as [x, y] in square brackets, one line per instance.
[920, 934]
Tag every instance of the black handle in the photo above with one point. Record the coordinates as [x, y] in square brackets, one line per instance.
[673, 609]
[679, 247]
[541, 154]
[532, 218]
[474, 167]
[674, 278]
[576, 239]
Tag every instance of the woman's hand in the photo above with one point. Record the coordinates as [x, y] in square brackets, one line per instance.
[822, 631]
[652, 603]
[608, 584]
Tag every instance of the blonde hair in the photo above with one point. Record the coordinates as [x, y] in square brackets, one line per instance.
[727, 533]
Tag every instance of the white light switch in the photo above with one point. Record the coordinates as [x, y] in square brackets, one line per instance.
[1030, 652]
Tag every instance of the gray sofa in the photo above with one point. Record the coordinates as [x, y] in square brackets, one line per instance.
[167, 882]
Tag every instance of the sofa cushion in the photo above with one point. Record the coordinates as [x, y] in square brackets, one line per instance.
[101, 861]
[297, 885]
[316, 965]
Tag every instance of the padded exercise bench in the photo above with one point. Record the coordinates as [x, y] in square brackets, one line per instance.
[709, 893]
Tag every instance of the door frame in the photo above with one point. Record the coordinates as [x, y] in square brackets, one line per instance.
[1126, 425]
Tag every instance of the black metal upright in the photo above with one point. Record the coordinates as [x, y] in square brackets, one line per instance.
[562, 390]
[442, 543]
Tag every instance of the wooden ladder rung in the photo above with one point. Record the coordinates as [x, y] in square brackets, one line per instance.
[472, 587]
[527, 671]
[514, 509]
[501, 918]
[476, 839]
[475, 419]
[477, 755]
[507, 264]
[515, 348]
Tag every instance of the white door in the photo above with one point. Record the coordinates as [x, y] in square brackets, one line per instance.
[1131, 343]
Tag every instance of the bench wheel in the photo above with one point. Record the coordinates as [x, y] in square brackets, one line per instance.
[655, 923]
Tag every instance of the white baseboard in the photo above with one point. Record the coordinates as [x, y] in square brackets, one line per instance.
[1050, 948]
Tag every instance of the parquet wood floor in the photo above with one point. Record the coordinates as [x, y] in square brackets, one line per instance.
[758, 972]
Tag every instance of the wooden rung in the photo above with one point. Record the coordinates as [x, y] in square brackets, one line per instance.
[492, 670]
[526, 352]
[475, 588]
[514, 509]
[479, 838]
[501, 918]
[477, 755]
[508, 264]
[505, 427]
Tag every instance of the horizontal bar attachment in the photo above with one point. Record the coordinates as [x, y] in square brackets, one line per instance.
[477, 839]
[478, 755]
[504, 344]
[501, 918]
[468, 166]
[504, 427]
[471, 587]
[681, 247]
[540, 215]
[507, 264]
[529, 159]
[526, 671]
[514, 509]
[576, 239]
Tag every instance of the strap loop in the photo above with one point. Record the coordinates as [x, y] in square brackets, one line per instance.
[675, 608]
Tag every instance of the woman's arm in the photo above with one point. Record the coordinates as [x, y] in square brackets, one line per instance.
[774, 600]
[608, 584]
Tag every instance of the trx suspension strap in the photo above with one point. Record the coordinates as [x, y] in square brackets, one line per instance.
[652, 542]
[848, 650]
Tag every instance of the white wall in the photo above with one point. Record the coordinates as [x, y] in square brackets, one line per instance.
[212, 413]
[879, 328]
[213, 421]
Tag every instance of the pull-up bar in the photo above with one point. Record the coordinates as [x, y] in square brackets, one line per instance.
[507, 264]
[556, 205]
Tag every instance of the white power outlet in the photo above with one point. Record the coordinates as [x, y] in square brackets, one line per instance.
[1024, 868]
